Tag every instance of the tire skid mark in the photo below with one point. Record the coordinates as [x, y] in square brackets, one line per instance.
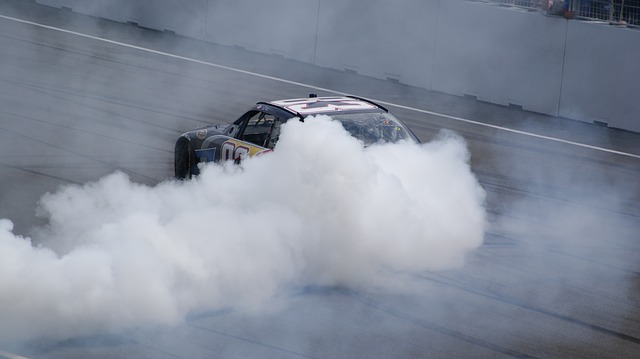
[520, 304]
[501, 187]
[427, 325]
[45, 90]
[37, 173]
[79, 154]
[251, 341]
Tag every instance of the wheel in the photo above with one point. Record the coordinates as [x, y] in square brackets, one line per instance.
[185, 163]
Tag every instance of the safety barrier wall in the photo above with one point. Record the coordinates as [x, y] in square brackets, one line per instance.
[601, 80]
[87, 7]
[503, 56]
[184, 17]
[282, 27]
[384, 39]
[546, 64]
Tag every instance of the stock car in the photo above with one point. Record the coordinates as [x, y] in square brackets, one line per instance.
[257, 131]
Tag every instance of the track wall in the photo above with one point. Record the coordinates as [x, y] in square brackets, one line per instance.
[601, 79]
[579, 70]
[504, 56]
[282, 27]
[384, 39]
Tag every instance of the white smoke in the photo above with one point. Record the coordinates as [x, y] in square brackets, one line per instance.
[320, 210]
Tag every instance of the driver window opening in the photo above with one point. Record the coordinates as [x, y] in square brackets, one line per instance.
[258, 129]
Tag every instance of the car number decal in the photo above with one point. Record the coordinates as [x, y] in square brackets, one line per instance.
[238, 150]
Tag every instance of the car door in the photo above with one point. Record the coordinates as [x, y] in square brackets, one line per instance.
[251, 135]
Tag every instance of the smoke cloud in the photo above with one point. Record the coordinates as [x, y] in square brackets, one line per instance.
[320, 210]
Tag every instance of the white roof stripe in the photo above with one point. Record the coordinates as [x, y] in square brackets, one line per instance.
[316, 105]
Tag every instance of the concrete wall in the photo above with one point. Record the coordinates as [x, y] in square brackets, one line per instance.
[87, 7]
[601, 80]
[184, 17]
[546, 64]
[381, 38]
[500, 55]
[282, 27]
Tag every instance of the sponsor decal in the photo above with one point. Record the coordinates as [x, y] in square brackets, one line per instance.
[201, 134]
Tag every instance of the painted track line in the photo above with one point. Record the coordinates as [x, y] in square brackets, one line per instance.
[267, 77]
[8, 355]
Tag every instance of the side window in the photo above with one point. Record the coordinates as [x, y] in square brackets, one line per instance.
[258, 129]
[234, 129]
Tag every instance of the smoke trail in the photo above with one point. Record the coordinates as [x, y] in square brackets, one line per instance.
[319, 210]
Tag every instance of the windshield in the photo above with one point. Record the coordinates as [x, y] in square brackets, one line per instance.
[371, 128]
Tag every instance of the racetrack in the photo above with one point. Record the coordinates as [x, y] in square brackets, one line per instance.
[557, 276]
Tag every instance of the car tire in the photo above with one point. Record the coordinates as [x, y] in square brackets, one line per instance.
[185, 162]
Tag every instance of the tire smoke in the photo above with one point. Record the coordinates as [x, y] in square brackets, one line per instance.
[320, 210]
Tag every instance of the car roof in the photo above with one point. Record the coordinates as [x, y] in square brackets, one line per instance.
[313, 105]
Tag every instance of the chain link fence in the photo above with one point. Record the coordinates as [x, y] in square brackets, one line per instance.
[619, 12]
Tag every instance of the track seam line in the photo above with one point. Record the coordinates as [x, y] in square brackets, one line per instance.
[267, 77]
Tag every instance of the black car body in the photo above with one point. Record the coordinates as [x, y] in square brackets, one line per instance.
[257, 131]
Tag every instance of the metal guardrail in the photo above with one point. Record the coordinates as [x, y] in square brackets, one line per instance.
[617, 12]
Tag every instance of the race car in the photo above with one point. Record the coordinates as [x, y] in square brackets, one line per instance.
[257, 131]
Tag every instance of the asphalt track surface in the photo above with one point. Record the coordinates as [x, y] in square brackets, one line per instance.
[557, 276]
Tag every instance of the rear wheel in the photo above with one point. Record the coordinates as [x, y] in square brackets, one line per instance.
[185, 164]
